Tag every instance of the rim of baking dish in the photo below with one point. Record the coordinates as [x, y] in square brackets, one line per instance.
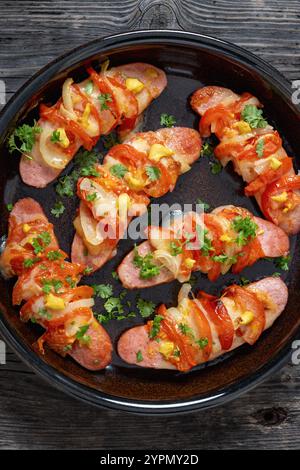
[8, 113]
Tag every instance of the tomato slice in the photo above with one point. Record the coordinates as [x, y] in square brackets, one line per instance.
[272, 143]
[248, 301]
[187, 358]
[248, 256]
[219, 116]
[268, 177]
[87, 100]
[288, 183]
[104, 88]
[52, 114]
[220, 317]
[128, 155]
[203, 328]
[56, 336]
[216, 230]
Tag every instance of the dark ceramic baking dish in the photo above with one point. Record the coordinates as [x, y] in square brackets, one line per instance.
[190, 60]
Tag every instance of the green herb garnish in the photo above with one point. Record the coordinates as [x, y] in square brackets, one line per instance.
[118, 170]
[104, 98]
[282, 262]
[81, 335]
[153, 172]
[167, 120]
[54, 255]
[155, 328]
[206, 206]
[207, 150]
[186, 330]
[246, 229]
[139, 356]
[145, 307]
[58, 209]
[259, 149]
[23, 139]
[147, 268]
[202, 342]
[253, 116]
[104, 291]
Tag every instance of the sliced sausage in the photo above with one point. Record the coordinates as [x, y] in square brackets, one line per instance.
[97, 354]
[273, 292]
[129, 274]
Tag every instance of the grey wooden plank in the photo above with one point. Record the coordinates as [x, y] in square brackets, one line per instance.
[35, 415]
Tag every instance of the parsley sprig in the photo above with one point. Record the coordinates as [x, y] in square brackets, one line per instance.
[145, 263]
[23, 138]
[253, 116]
[167, 120]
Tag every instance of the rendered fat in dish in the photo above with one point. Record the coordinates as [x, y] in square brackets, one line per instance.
[201, 329]
[113, 98]
[255, 150]
[227, 238]
[147, 165]
[48, 285]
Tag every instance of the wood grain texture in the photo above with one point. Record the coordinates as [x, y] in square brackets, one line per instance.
[34, 415]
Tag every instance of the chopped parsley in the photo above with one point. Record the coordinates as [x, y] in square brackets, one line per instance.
[43, 237]
[9, 207]
[175, 247]
[71, 282]
[84, 165]
[115, 276]
[206, 206]
[58, 209]
[206, 245]
[81, 335]
[167, 120]
[282, 262]
[145, 307]
[259, 149]
[215, 167]
[65, 186]
[223, 258]
[110, 140]
[91, 197]
[104, 291]
[29, 262]
[55, 137]
[139, 356]
[43, 313]
[253, 116]
[114, 305]
[207, 150]
[155, 328]
[147, 268]
[118, 170]
[87, 270]
[245, 228]
[49, 284]
[202, 342]
[186, 330]
[153, 172]
[23, 139]
[104, 98]
[54, 255]
[68, 347]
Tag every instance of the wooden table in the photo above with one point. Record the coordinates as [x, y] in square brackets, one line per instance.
[34, 415]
